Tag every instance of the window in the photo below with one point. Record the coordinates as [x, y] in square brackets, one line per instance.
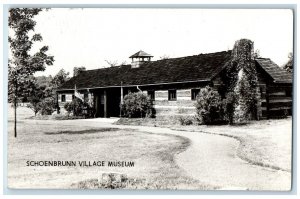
[63, 98]
[194, 93]
[151, 94]
[172, 95]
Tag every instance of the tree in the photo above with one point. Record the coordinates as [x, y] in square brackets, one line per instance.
[36, 94]
[115, 63]
[44, 81]
[257, 54]
[60, 78]
[289, 64]
[164, 57]
[23, 64]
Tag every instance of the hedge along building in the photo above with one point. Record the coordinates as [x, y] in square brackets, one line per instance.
[173, 84]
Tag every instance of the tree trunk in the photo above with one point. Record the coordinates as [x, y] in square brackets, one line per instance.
[15, 108]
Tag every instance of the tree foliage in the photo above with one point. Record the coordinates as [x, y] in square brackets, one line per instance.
[60, 78]
[289, 65]
[115, 63]
[35, 97]
[42, 90]
[23, 64]
[257, 54]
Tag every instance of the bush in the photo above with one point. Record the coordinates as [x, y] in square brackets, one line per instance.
[186, 120]
[76, 107]
[137, 105]
[209, 107]
[46, 106]
[34, 105]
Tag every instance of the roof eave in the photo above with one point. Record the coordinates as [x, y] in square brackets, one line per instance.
[204, 80]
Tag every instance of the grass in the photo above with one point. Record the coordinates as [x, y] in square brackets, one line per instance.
[46, 140]
[98, 130]
[168, 121]
[55, 117]
[265, 143]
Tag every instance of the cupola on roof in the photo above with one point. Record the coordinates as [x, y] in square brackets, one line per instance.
[140, 54]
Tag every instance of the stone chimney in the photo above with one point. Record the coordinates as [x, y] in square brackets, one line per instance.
[246, 87]
[243, 53]
[78, 70]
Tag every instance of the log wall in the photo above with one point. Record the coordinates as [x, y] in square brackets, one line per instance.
[279, 100]
[184, 105]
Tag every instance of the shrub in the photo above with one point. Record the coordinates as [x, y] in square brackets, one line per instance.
[75, 107]
[209, 107]
[137, 105]
[186, 120]
[46, 106]
[34, 105]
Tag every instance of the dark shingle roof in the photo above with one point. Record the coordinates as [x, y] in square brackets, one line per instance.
[200, 67]
[140, 54]
[278, 74]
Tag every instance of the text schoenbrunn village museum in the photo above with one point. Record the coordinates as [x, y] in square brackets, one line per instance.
[174, 83]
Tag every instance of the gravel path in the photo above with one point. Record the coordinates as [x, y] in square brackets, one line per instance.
[212, 159]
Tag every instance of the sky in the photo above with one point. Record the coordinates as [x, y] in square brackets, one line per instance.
[87, 37]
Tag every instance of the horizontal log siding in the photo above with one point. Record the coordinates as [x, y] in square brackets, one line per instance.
[69, 99]
[61, 104]
[262, 107]
[182, 106]
[279, 101]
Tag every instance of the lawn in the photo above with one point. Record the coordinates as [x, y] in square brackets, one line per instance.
[46, 140]
[264, 143]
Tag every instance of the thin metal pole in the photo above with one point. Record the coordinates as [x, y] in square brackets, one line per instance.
[121, 99]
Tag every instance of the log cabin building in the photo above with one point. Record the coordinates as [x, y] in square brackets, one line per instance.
[174, 83]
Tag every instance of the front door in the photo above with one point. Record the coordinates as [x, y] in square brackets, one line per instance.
[99, 104]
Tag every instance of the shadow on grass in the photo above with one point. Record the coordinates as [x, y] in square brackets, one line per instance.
[88, 131]
[18, 121]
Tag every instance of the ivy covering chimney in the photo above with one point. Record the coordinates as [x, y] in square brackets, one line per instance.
[246, 84]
